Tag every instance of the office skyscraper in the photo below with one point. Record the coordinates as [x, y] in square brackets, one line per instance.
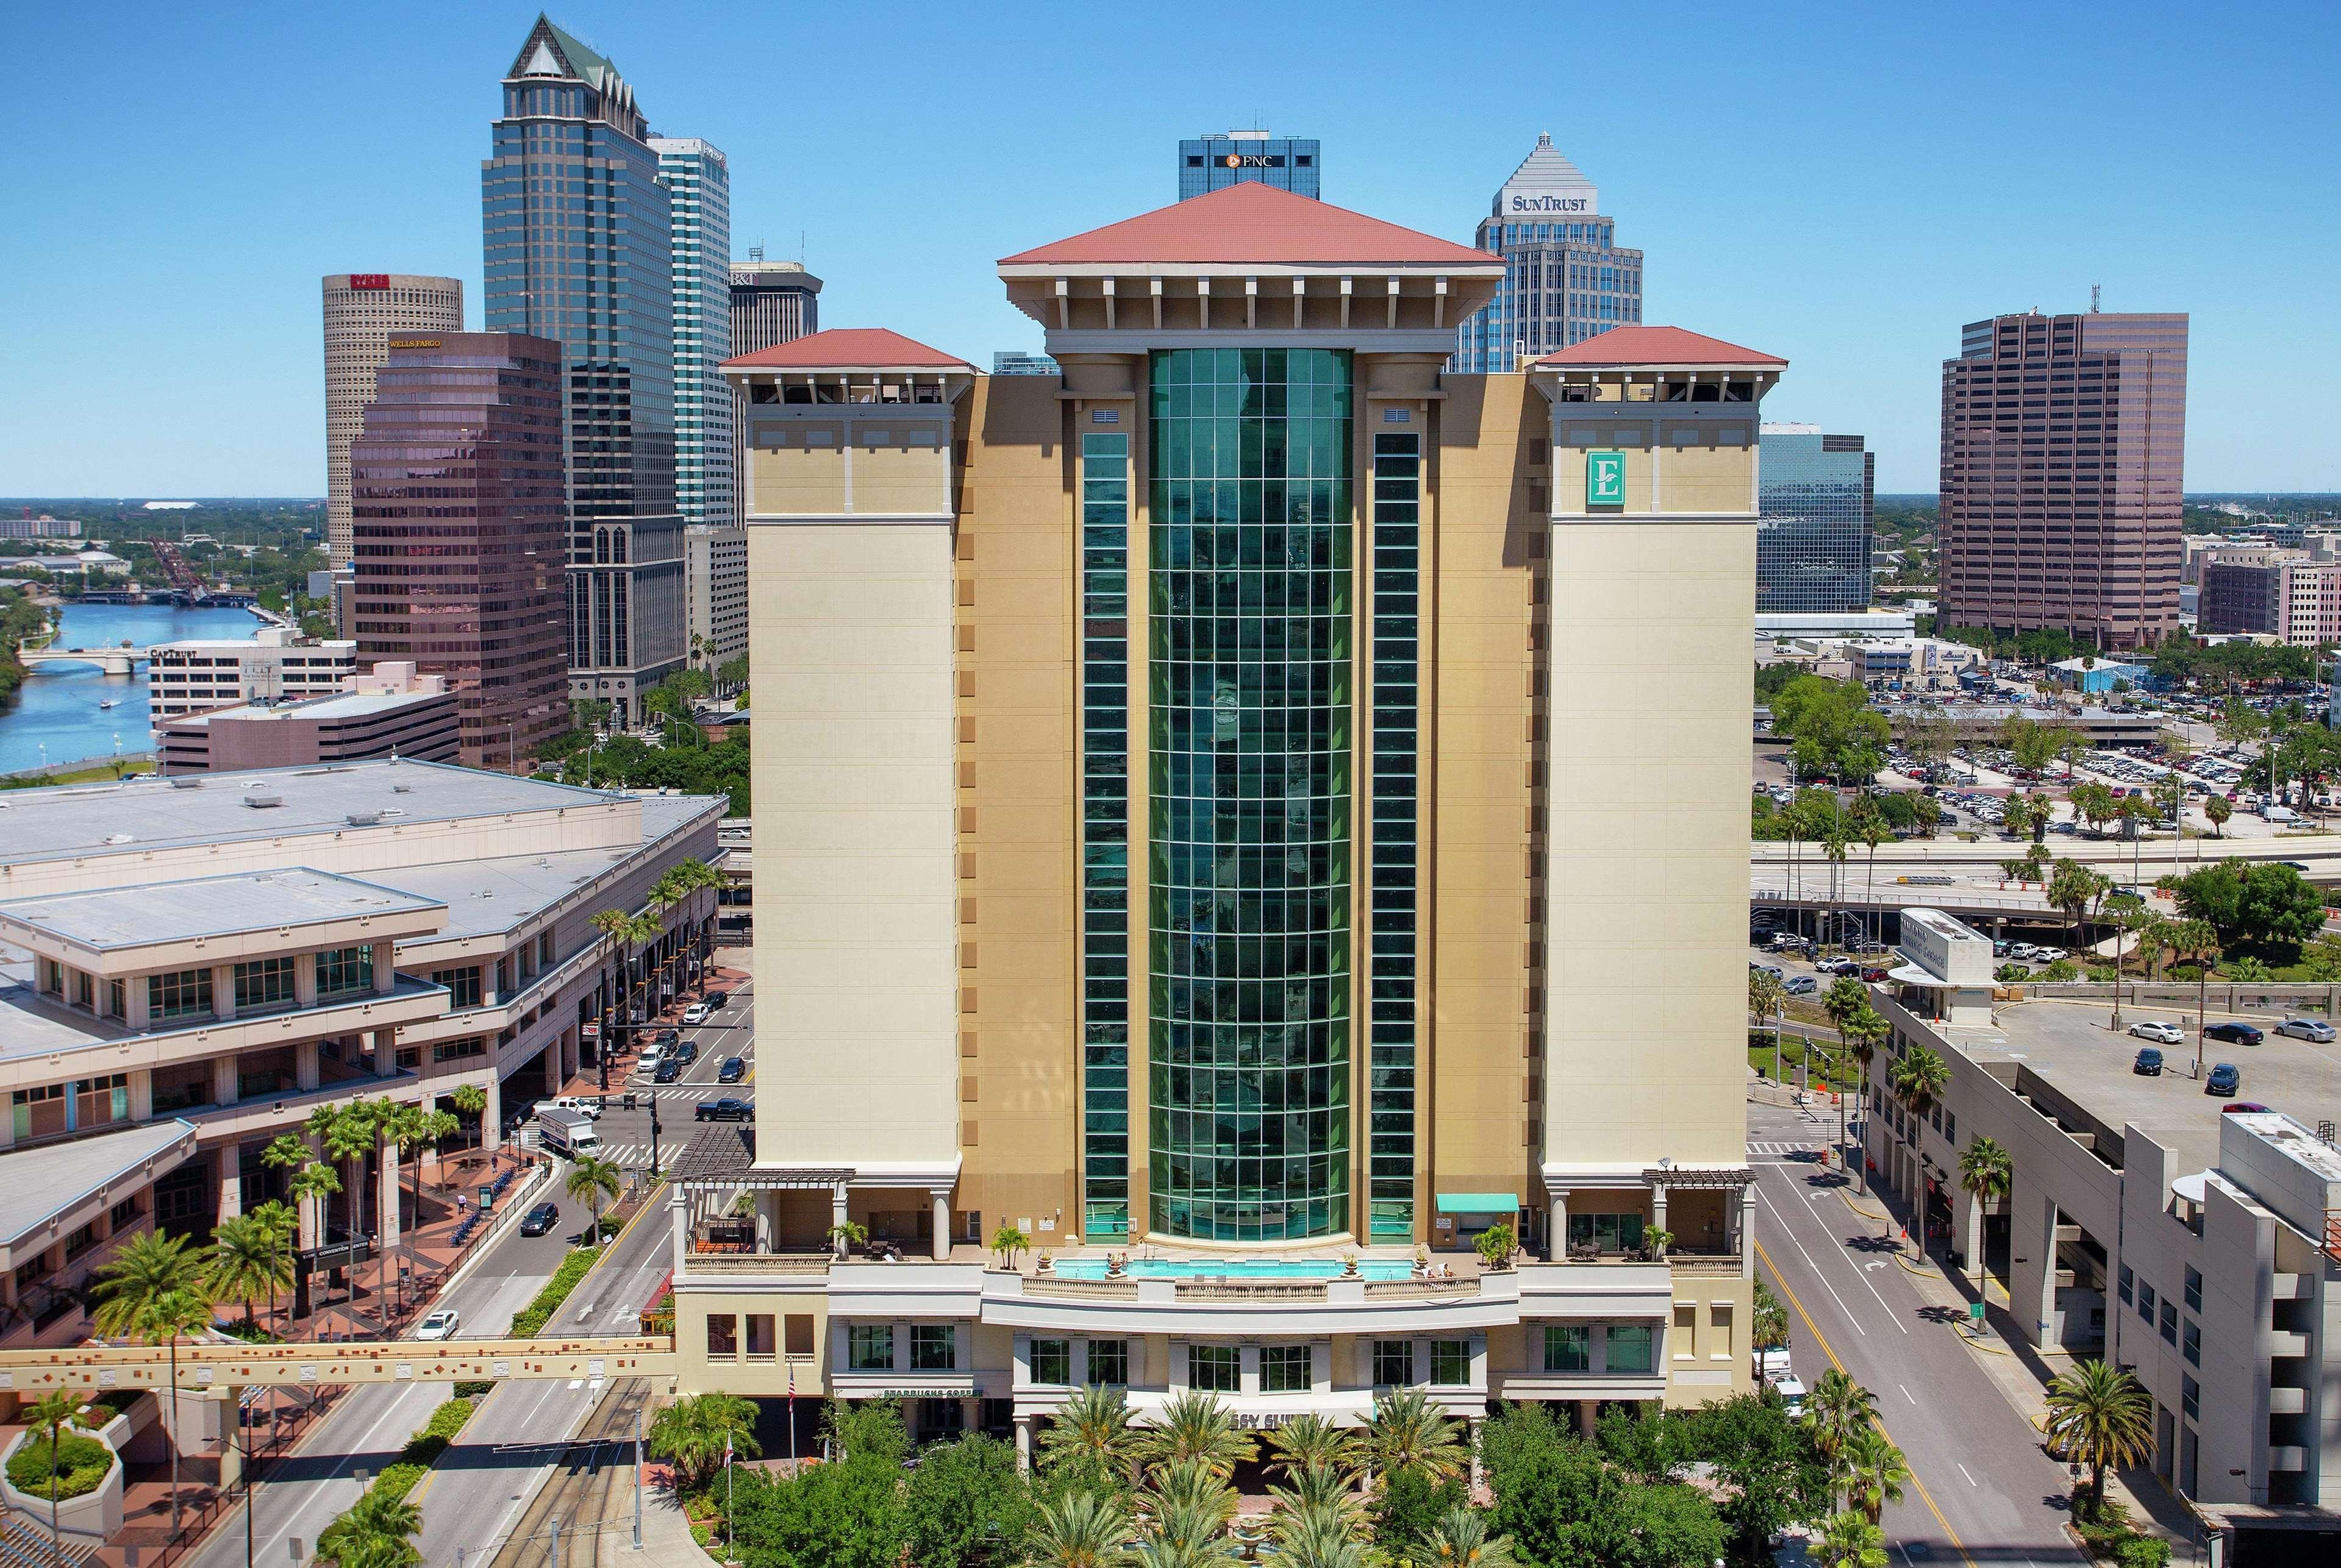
[1565, 277]
[460, 532]
[772, 303]
[699, 192]
[1812, 544]
[361, 310]
[579, 238]
[2062, 461]
[1211, 162]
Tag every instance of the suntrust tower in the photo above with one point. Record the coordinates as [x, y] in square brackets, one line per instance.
[1213, 794]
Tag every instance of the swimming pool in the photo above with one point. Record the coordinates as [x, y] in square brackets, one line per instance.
[1231, 1268]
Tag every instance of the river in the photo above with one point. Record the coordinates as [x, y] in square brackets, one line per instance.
[57, 708]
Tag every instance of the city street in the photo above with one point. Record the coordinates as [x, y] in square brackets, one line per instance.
[626, 1134]
[1983, 1490]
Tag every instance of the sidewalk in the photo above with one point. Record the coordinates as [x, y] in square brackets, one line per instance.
[2020, 1369]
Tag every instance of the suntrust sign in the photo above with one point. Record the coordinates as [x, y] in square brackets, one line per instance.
[1530, 204]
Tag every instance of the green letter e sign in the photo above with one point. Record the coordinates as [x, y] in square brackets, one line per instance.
[1605, 478]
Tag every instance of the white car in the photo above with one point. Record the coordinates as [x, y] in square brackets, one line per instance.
[1792, 1395]
[2314, 1029]
[589, 1109]
[697, 1013]
[2159, 1032]
[439, 1324]
[648, 1060]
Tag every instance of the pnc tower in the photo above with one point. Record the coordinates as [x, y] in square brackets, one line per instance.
[578, 230]
[1212, 791]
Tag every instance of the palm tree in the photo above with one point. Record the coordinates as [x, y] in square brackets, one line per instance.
[1196, 1425]
[471, 1100]
[153, 1289]
[593, 1178]
[248, 1262]
[1838, 1409]
[315, 1183]
[1081, 1530]
[1318, 1487]
[1312, 1443]
[1986, 1173]
[1091, 1432]
[1767, 995]
[2099, 1416]
[1192, 1492]
[1833, 848]
[1459, 1539]
[693, 1432]
[2216, 811]
[1317, 1539]
[350, 1136]
[1406, 1432]
[1875, 1472]
[378, 1532]
[287, 1152]
[1870, 826]
[1863, 1033]
[1163, 1550]
[53, 1410]
[1768, 1326]
[2073, 887]
[1849, 1541]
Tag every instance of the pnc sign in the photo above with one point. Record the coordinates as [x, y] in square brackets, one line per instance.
[369, 280]
[1245, 161]
[1605, 478]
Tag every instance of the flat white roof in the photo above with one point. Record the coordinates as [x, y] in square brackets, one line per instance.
[156, 912]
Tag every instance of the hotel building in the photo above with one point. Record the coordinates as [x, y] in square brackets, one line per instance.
[1207, 797]
[2062, 461]
[190, 967]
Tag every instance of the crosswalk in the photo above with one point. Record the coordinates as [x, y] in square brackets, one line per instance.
[637, 1157]
[1779, 1150]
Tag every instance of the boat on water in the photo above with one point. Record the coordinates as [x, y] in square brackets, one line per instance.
[110, 702]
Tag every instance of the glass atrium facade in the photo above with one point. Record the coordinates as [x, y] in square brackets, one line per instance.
[1105, 836]
[1813, 540]
[1249, 751]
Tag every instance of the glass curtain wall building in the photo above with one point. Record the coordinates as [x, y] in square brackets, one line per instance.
[1813, 544]
[699, 191]
[1566, 279]
[577, 234]
[1247, 158]
[1250, 746]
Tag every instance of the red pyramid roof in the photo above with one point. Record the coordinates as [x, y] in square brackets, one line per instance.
[1253, 225]
[857, 348]
[1658, 346]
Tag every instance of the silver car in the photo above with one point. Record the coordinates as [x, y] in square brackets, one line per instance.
[2314, 1029]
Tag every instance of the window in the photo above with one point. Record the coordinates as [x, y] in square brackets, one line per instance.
[1284, 1369]
[1109, 1363]
[2145, 1302]
[97, 1101]
[343, 970]
[870, 1347]
[1052, 1361]
[1393, 1363]
[1567, 1348]
[2191, 1343]
[2127, 1277]
[1630, 1348]
[1214, 1368]
[39, 1112]
[1450, 1362]
[181, 995]
[722, 1335]
[463, 985]
[2190, 1396]
[179, 1085]
[2169, 1321]
[1951, 1125]
[760, 1336]
[2194, 1290]
[796, 1335]
[934, 1347]
[117, 1000]
[458, 1050]
[85, 996]
[1606, 1232]
[264, 983]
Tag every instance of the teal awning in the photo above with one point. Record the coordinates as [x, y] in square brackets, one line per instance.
[1479, 1203]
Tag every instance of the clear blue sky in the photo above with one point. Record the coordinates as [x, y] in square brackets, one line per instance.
[1841, 185]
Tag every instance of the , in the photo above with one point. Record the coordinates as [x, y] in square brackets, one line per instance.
[726, 1109]
[439, 1324]
[2158, 1031]
[540, 1219]
[732, 1070]
[2234, 1034]
[2314, 1029]
[2148, 1063]
[2224, 1080]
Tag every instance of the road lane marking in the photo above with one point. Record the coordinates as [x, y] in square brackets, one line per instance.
[1799, 1245]
[1906, 1393]
[1862, 1273]
[1963, 1469]
[1925, 1496]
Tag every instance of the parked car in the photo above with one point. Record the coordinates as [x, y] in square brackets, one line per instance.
[2158, 1031]
[439, 1324]
[1801, 985]
[696, 1013]
[1874, 973]
[540, 1219]
[726, 1109]
[2315, 1029]
[2147, 1063]
[2242, 1107]
[2225, 1079]
[732, 1070]
[668, 1071]
[2235, 1034]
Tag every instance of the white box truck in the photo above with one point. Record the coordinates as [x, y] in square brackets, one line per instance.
[565, 1133]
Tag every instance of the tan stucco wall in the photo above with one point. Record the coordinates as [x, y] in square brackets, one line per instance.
[1019, 762]
[851, 632]
[740, 1375]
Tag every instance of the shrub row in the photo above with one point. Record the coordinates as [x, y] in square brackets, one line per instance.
[529, 1320]
[81, 1463]
[422, 1450]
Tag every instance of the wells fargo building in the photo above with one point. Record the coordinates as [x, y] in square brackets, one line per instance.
[1258, 805]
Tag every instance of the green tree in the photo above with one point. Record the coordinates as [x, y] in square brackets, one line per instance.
[153, 1290]
[1832, 730]
[53, 1410]
[1985, 1174]
[350, 1134]
[2251, 903]
[378, 1532]
[592, 1179]
[1772, 1472]
[2074, 889]
[1407, 1431]
[966, 1505]
[690, 1434]
[1562, 1507]
[1090, 1442]
[844, 1515]
[2216, 811]
[1847, 1540]
[1008, 1241]
[471, 1100]
[1081, 1529]
[249, 1263]
[2098, 1415]
[1643, 1440]
[1768, 1330]
[1459, 1539]
[1863, 1034]
[1196, 1425]
[1310, 1442]
[1874, 1472]
[1408, 1506]
[1837, 1408]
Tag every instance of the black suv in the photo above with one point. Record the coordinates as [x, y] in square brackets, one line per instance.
[670, 1068]
[726, 1109]
[733, 1069]
[540, 1219]
[714, 1000]
[2237, 1033]
[686, 1053]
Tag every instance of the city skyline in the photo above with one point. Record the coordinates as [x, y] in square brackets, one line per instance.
[1836, 256]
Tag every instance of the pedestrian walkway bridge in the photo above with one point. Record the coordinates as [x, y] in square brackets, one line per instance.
[28, 1374]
